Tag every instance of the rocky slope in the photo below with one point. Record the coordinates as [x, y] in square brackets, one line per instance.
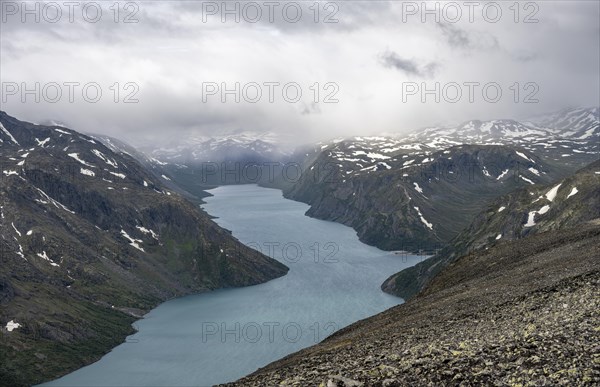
[89, 241]
[524, 312]
[531, 210]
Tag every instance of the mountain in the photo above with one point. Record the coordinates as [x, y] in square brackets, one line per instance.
[410, 200]
[565, 132]
[240, 146]
[162, 171]
[90, 240]
[524, 312]
[538, 208]
[573, 123]
[418, 191]
[201, 163]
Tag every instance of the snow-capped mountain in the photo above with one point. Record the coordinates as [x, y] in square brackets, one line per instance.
[414, 201]
[571, 137]
[408, 191]
[574, 123]
[244, 146]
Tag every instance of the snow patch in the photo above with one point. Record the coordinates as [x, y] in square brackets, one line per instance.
[425, 222]
[501, 209]
[133, 242]
[56, 204]
[122, 176]
[573, 192]
[417, 188]
[87, 172]
[531, 219]
[543, 210]
[17, 231]
[43, 142]
[45, 256]
[526, 179]
[499, 236]
[76, 157]
[2, 128]
[587, 134]
[550, 195]
[523, 156]
[147, 231]
[12, 324]
[104, 158]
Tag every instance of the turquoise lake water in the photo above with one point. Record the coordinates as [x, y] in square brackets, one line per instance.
[200, 340]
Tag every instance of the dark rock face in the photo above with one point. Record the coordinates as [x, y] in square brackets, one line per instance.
[484, 320]
[528, 211]
[88, 233]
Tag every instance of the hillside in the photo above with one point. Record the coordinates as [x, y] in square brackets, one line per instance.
[414, 202]
[484, 320]
[89, 241]
[416, 192]
[528, 211]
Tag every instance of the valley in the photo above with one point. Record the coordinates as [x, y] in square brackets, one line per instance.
[427, 193]
[333, 281]
[329, 194]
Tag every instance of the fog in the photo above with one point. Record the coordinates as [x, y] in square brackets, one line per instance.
[168, 71]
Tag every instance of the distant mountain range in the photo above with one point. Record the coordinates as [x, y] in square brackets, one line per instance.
[566, 140]
[565, 136]
[242, 146]
[91, 239]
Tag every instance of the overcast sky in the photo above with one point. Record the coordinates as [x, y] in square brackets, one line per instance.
[374, 58]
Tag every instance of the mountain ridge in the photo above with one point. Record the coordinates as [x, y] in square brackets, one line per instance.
[90, 235]
[539, 208]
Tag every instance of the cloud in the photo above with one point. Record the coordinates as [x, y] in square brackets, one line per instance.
[390, 59]
[367, 53]
[312, 108]
[462, 39]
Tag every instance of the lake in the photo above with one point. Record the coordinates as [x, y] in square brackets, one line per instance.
[223, 335]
